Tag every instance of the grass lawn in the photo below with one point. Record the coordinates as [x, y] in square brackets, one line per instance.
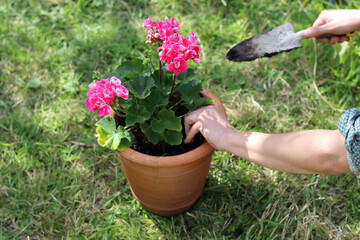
[56, 182]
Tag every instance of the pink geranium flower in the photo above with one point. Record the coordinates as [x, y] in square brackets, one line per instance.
[161, 30]
[164, 30]
[174, 48]
[149, 23]
[104, 92]
[122, 92]
[174, 24]
[103, 110]
[169, 50]
[177, 65]
[91, 103]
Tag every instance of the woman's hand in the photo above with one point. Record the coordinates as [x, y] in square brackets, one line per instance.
[212, 123]
[339, 22]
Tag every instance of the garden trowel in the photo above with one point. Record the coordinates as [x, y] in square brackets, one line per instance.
[270, 43]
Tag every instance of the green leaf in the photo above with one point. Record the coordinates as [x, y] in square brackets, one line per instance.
[136, 114]
[107, 139]
[126, 140]
[140, 85]
[190, 94]
[107, 124]
[125, 103]
[187, 75]
[157, 98]
[167, 80]
[113, 74]
[166, 120]
[190, 91]
[173, 137]
[198, 102]
[152, 136]
[130, 67]
[111, 137]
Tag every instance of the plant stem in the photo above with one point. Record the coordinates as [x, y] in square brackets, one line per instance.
[118, 113]
[177, 103]
[152, 65]
[173, 85]
[160, 72]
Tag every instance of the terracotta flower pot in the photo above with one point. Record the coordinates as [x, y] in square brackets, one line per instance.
[168, 186]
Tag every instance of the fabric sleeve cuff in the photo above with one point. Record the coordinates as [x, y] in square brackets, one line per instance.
[349, 126]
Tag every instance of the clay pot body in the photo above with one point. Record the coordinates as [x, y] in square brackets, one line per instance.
[168, 186]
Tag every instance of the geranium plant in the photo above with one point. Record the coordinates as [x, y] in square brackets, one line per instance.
[149, 98]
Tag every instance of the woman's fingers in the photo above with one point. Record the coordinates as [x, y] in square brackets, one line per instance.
[192, 131]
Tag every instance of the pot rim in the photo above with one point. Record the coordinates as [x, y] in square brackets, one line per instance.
[167, 161]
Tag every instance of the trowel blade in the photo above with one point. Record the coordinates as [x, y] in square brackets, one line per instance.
[267, 44]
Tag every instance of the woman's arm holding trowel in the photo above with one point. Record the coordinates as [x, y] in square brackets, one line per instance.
[339, 22]
[314, 151]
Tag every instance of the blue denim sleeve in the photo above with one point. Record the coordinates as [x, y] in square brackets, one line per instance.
[349, 126]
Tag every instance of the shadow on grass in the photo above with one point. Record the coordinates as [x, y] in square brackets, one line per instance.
[242, 203]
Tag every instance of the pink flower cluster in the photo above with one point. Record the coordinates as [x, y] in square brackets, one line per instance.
[161, 30]
[175, 49]
[102, 93]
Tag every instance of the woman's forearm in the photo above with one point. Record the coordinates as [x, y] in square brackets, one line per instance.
[313, 151]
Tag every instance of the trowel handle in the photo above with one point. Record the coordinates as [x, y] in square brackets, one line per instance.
[329, 35]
